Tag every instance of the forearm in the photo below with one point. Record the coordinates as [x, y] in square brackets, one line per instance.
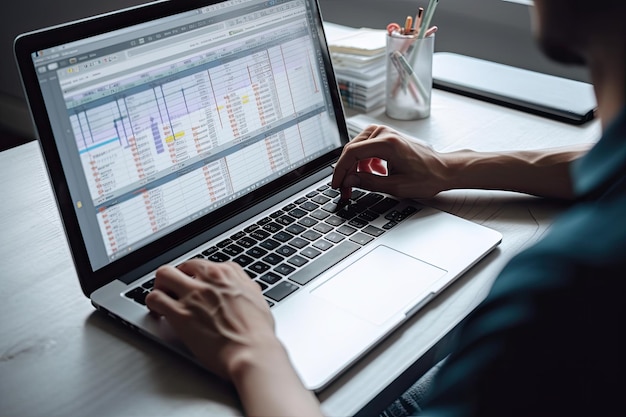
[544, 173]
[270, 386]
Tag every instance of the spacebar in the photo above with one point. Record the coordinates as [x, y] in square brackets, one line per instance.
[331, 258]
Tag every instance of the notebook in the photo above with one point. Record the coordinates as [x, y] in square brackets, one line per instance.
[177, 130]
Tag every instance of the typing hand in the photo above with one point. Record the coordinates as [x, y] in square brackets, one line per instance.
[217, 311]
[381, 159]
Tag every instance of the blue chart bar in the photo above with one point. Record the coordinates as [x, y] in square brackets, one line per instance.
[98, 145]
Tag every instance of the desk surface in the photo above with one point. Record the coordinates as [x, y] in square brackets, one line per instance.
[58, 356]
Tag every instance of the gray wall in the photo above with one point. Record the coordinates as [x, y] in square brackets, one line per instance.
[488, 29]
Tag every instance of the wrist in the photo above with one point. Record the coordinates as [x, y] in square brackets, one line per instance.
[255, 358]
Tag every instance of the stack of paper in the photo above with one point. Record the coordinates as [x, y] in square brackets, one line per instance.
[358, 57]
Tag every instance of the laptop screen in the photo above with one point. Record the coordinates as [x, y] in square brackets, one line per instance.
[161, 123]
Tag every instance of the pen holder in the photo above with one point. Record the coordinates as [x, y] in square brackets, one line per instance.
[409, 76]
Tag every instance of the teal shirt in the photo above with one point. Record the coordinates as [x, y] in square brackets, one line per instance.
[549, 340]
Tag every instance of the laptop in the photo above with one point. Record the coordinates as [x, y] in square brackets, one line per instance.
[208, 129]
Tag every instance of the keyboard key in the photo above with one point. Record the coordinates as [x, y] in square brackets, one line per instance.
[262, 285]
[210, 251]
[358, 222]
[251, 228]
[259, 267]
[313, 269]
[374, 231]
[292, 206]
[238, 235]
[322, 228]
[148, 284]
[286, 250]
[264, 221]
[298, 242]
[312, 194]
[356, 194]
[323, 244]
[320, 199]
[218, 257]
[334, 220]
[331, 193]
[271, 278]
[389, 225]
[346, 230]
[260, 234]
[361, 238]
[251, 274]
[276, 214]
[311, 235]
[334, 237]
[309, 206]
[297, 260]
[285, 220]
[233, 250]
[269, 244]
[368, 216]
[280, 291]
[307, 222]
[310, 252]
[408, 210]
[330, 207]
[347, 212]
[256, 252]
[295, 229]
[273, 259]
[369, 200]
[284, 269]
[297, 213]
[224, 243]
[384, 205]
[243, 260]
[283, 236]
[137, 294]
[246, 242]
[320, 214]
[272, 227]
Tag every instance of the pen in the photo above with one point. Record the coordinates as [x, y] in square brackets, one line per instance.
[431, 31]
[418, 19]
[408, 70]
[402, 74]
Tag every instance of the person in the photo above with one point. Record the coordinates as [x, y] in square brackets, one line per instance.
[548, 339]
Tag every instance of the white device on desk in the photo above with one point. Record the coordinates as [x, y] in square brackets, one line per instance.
[169, 135]
[559, 98]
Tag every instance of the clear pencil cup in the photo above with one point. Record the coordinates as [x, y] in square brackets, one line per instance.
[409, 76]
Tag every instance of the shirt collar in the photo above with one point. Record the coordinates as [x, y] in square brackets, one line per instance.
[593, 173]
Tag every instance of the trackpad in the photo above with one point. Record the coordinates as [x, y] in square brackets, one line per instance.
[380, 284]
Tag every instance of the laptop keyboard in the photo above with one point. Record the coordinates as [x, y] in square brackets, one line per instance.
[293, 245]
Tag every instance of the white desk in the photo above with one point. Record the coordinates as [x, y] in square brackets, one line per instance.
[59, 357]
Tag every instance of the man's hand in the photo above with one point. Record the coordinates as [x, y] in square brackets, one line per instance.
[220, 314]
[381, 159]
[217, 311]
